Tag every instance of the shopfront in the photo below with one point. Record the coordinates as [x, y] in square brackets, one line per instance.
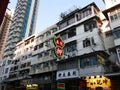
[98, 83]
[75, 84]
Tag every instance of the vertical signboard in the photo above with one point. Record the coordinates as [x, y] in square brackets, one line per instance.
[59, 44]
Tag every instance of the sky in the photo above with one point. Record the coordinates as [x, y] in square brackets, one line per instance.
[49, 10]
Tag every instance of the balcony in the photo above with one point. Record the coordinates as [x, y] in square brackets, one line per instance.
[43, 70]
[91, 71]
[25, 68]
[23, 11]
[36, 60]
[24, 7]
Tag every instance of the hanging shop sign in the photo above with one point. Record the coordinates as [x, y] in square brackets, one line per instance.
[59, 44]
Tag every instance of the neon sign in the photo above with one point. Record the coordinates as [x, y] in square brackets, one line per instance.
[59, 44]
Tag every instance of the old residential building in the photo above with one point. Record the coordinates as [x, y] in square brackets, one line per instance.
[43, 65]
[19, 67]
[112, 13]
[79, 52]
[84, 51]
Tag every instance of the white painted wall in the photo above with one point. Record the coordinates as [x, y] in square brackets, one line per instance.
[117, 42]
[81, 35]
[110, 3]
[115, 23]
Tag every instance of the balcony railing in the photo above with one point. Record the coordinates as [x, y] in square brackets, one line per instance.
[95, 70]
[41, 70]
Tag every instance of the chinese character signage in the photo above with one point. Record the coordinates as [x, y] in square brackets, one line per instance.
[59, 44]
[32, 87]
[98, 82]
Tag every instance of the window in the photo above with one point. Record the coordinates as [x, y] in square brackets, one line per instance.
[119, 15]
[108, 33]
[72, 33]
[68, 65]
[45, 64]
[54, 30]
[40, 55]
[23, 65]
[41, 36]
[46, 53]
[27, 42]
[89, 61]
[31, 47]
[28, 63]
[48, 33]
[47, 43]
[83, 14]
[116, 32]
[32, 39]
[70, 47]
[79, 16]
[35, 48]
[16, 67]
[30, 55]
[41, 45]
[6, 70]
[64, 36]
[88, 42]
[114, 15]
[70, 21]
[62, 25]
[88, 26]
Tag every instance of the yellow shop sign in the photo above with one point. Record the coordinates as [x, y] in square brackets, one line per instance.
[98, 82]
[32, 86]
